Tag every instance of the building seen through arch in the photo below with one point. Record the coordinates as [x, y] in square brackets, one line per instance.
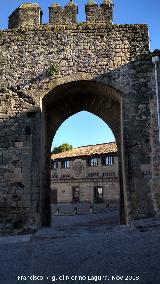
[85, 174]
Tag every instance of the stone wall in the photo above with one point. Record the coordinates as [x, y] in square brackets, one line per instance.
[102, 14]
[155, 142]
[58, 15]
[86, 186]
[108, 68]
[26, 15]
[55, 51]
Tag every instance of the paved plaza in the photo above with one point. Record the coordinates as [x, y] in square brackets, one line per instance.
[91, 250]
[84, 214]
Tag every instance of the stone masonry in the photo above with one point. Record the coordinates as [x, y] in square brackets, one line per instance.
[50, 72]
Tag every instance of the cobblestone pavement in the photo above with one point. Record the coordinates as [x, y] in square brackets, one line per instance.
[114, 253]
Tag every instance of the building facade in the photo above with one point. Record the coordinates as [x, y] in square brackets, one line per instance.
[88, 173]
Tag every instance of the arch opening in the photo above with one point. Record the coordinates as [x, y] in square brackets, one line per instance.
[85, 179]
[83, 128]
[63, 102]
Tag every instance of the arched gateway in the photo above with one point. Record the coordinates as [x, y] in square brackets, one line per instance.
[53, 71]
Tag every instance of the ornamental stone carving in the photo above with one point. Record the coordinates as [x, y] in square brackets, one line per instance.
[78, 168]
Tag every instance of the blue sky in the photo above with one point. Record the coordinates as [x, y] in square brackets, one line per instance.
[85, 128]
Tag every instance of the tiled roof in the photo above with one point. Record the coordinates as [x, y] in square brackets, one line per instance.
[87, 151]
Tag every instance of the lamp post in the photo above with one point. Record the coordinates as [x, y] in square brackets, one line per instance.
[155, 61]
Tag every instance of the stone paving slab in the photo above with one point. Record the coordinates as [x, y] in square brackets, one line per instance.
[110, 216]
[15, 239]
[149, 222]
[83, 251]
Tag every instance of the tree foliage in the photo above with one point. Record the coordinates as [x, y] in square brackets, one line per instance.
[62, 148]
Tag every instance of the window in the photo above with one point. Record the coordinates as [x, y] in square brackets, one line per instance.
[111, 174]
[93, 174]
[93, 162]
[76, 194]
[53, 175]
[98, 194]
[65, 164]
[54, 165]
[147, 175]
[108, 160]
[65, 176]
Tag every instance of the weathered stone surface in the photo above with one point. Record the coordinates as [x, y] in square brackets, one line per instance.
[26, 15]
[103, 14]
[50, 72]
[58, 15]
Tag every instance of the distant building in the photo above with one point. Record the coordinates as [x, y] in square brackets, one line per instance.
[88, 173]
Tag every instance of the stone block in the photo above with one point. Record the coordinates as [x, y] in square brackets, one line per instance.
[26, 15]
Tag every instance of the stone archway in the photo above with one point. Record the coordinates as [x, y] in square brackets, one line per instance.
[65, 100]
[109, 73]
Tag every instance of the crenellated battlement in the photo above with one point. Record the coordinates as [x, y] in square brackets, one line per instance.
[58, 15]
[30, 14]
[102, 14]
